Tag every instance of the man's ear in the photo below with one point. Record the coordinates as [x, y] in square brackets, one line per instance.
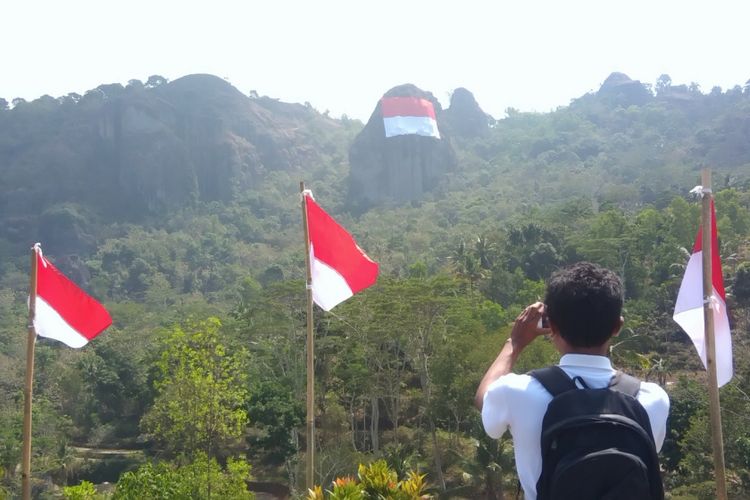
[553, 329]
[619, 327]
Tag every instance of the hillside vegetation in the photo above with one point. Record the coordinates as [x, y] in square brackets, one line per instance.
[176, 204]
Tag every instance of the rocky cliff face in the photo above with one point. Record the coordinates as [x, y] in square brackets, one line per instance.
[620, 89]
[125, 153]
[200, 138]
[397, 169]
[464, 118]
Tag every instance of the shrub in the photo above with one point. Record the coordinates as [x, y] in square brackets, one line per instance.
[375, 481]
[171, 482]
[83, 491]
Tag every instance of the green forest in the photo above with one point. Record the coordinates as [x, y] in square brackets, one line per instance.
[177, 205]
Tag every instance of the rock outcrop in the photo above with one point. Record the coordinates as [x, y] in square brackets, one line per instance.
[620, 89]
[200, 138]
[125, 153]
[397, 169]
[464, 118]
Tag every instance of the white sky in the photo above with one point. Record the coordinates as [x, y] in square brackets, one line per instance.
[343, 55]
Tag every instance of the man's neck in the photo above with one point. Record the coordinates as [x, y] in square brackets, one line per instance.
[602, 350]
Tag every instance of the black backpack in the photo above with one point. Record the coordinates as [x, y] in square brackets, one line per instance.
[597, 444]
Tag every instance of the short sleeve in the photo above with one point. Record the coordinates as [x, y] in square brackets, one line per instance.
[656, 402]
[496, 410]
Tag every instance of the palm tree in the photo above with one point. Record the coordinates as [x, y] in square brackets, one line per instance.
[484, 250]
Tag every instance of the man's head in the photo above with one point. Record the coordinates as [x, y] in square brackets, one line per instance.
[584, 303]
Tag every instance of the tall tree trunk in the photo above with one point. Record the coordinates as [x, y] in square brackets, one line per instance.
[291, 462]
[427, 388]
[374, 424]
[209, 468]
[396, 409]
[353, 423]
[437, 454]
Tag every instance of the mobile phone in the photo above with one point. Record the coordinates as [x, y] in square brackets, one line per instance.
[543, 322]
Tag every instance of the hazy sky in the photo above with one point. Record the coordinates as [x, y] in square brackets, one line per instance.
[343, 55]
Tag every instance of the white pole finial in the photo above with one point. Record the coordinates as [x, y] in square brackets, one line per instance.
[306, 192]
[700, 191]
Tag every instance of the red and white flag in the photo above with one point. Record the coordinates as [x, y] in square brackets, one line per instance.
[688, 311]
[408, 115]
[64, 312]
[339, 267]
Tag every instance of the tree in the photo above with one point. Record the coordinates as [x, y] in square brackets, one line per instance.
[169, 481]
[155, 81]
[272, 322]
[484, 249]
[533, 248]
[741, 286]
[134, 84]
[663, 83]
[200, 392]
[112, 387]
[276, 413]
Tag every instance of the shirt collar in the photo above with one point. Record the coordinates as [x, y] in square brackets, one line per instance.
[586, 360]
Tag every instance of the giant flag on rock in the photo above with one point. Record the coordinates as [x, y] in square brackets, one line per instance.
[688, 311]
[339, 267]
[409, 115]
[64, 312]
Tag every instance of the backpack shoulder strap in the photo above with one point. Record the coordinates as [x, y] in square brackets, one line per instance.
[554, 380]
[624, 383]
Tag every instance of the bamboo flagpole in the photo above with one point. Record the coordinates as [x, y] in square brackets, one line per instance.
[27, 392]
[310, 458]
[60, 310]
[341, 269]
[708, 323]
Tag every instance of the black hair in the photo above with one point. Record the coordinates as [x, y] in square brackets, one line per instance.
[584, 301]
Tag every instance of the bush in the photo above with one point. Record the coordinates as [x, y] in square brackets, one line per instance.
[195, 480]
[375, 481]
[83, 491]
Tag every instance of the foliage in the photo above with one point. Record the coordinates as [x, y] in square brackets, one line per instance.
[83, 491]
[374, 481]
[275, 412]
[202, 478]
[200, 392]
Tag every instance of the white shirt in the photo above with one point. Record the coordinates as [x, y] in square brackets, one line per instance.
[519, 402]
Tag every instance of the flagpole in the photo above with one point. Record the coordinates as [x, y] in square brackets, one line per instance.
[310, 459]
[27, 392]
[708, 323]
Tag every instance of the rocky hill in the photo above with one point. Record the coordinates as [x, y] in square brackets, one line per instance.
[124, 153]
[464, 118]
[73, 165]
[401, 168]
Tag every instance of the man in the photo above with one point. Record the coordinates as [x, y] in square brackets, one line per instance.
[583, 306]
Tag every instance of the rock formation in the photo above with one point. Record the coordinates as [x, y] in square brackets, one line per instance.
[464, 118]
[397, 169]
[620, 89]
[127, 153]
[200, 138]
